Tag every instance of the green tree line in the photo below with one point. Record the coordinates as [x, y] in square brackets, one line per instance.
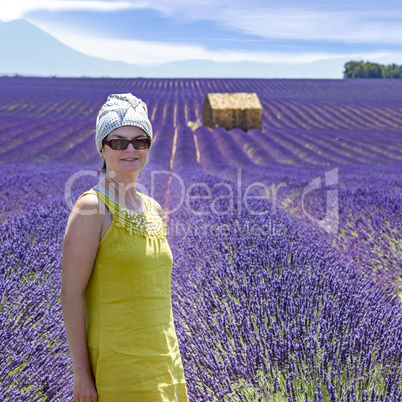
[360, 69]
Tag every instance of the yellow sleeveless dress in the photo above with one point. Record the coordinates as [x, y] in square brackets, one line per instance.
[131, 338]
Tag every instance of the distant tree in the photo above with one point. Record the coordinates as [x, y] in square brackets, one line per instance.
[361, 69]
[374, 70]
[350, 69]
[393, 71]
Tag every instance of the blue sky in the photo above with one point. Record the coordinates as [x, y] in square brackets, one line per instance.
[285, 31]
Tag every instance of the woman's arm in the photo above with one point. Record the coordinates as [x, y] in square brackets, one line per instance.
[80, 246]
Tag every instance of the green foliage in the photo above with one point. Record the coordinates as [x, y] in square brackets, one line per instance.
[360, 69]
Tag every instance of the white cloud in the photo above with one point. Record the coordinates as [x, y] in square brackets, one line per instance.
[262, 18]
[15, 9]
[257, 17]
[146, 52]
[351, 27]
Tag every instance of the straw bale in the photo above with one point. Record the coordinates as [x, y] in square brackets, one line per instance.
[232, 110]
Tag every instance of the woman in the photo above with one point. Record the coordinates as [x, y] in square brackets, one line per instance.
[116, 272]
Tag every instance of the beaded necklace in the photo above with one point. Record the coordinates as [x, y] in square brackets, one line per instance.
[151, 225]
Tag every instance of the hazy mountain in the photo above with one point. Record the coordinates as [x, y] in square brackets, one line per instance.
[27, 50]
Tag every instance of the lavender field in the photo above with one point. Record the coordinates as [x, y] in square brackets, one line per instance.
[280, 297]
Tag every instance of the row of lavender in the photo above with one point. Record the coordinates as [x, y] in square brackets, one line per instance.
[313, 121]
[274, 262]
[249, 276]
[275, 313]
[368, 198]
[368, 195]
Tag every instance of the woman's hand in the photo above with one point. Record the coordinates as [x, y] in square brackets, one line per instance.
[84, 389]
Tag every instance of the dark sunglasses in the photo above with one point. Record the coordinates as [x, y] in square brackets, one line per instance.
[122, 143]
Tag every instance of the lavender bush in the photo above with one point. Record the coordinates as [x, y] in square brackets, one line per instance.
[267, 307]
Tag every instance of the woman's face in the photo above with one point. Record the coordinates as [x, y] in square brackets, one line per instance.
[116, 160]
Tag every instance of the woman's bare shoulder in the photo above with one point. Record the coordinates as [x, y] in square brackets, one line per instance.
[88, 200]
[87, 210]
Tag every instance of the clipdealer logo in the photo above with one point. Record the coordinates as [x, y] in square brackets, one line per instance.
[330, 222]
[184, 196]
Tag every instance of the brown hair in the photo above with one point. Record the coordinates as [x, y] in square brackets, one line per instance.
[102, 170]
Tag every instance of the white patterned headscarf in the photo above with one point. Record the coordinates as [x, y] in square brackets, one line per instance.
[121, 110]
